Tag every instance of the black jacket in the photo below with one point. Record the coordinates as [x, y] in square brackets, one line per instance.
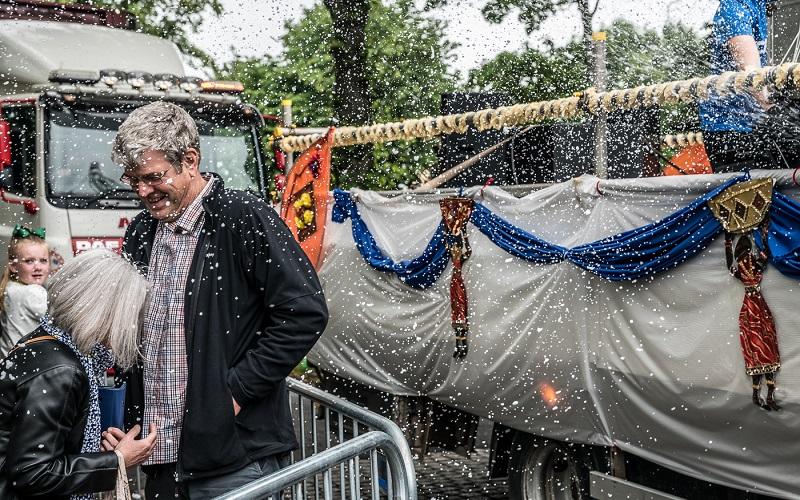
[44, 404]
[253, 308]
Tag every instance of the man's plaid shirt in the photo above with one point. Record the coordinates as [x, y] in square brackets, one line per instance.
[164, 343]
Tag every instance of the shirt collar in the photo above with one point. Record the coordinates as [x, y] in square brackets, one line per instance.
[190, 218]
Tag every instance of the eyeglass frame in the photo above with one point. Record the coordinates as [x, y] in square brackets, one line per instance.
[133, 181]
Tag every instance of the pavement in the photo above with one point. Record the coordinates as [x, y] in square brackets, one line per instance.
[441, 475]
[446, 475]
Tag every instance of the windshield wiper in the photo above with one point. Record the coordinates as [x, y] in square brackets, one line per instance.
[85, 203]
[106, 185]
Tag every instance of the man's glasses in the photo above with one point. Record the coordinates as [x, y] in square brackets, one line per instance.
[151, 179]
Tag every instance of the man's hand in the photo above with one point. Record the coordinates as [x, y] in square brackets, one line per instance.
[236, 407]
[134, 451]
[745, 54]
[112, 437]
[762, 98]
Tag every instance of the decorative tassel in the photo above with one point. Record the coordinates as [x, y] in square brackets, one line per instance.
[757, 333]
[743, 209]
[455, 214]
[458, 306]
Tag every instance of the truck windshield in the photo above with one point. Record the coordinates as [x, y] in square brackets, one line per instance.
[80, 172]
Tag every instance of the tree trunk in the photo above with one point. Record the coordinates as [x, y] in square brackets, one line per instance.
[351, 99]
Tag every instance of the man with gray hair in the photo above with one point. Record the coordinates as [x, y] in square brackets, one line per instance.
[235, 305]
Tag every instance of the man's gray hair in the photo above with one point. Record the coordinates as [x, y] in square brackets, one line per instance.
[159, 126]
[98, 297]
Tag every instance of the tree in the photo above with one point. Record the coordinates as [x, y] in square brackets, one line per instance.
[348, 49]
[533, 75]
[634, 57]
[532, 13]
[170, 19]
[352, 103]
[406, 74]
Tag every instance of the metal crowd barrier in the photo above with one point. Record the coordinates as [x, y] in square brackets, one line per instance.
[345, 452]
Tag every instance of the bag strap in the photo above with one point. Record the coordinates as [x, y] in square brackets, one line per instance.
[32, 341]
[122, 489]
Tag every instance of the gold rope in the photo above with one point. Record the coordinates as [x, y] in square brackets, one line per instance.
[682, 91]
[682, 140]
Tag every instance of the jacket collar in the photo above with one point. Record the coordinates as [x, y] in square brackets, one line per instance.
[192, 215]
[211, 198]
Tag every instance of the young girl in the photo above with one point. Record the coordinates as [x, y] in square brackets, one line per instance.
[24, 300]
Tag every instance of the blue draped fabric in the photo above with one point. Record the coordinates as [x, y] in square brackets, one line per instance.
[420, 272]
[656, 247]
[631, 255]
[514, 240]
[784, 237]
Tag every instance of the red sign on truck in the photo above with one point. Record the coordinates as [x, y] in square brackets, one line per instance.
[82, 244]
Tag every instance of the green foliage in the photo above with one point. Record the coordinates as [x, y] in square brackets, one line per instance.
[532, 13]
[302, 73]
[641, 57]
[171, 19]
[398, 163]
[634, 57]
[407, 57]
[533, 75]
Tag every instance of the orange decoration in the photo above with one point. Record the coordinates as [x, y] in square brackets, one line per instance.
[304, 206]
[689, 160]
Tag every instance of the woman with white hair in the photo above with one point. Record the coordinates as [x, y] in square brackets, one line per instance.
[49, 412]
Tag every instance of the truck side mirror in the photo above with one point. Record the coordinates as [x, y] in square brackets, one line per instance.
[5, 144]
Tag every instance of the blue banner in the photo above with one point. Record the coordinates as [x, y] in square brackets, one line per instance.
[631, 255]
[421, 272]
[784, 238]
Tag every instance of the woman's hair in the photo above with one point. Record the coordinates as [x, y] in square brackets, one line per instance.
[158, 126]
[13, 253]
[98, 297]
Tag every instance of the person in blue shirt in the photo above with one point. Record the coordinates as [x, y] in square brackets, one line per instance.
[732, 125]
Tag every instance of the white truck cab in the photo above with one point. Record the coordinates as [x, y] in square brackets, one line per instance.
[65, 87]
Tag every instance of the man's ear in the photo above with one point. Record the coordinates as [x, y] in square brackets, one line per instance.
[191, 159]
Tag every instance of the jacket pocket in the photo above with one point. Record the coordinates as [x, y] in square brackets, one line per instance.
[210, 439]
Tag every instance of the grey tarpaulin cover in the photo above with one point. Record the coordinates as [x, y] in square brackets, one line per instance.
[653, 367]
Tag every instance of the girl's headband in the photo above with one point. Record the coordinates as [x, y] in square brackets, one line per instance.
[26, 232]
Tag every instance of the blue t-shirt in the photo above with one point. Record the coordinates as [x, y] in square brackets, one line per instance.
[737, 112]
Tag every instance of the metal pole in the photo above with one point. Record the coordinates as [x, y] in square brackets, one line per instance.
[286, 123]
[601, 125]
[469, 162]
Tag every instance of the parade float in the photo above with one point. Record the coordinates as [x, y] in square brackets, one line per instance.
[645, 329]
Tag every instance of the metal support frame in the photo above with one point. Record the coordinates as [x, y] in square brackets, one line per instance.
[286, 123]
[322, 463]
[601, 120]
[335, 440]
